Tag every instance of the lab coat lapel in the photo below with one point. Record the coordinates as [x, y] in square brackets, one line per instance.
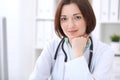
[59, 64]
[58, 69]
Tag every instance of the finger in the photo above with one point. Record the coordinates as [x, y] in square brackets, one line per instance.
[86, 36]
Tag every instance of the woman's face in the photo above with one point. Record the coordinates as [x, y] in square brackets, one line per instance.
[72, 21]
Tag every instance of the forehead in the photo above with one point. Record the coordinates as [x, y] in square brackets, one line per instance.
[70, 9]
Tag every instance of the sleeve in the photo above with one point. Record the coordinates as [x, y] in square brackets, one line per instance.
[42, 68]
[102, 68]
[77, 69]
[103, 65]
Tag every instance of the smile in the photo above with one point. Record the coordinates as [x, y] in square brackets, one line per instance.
[72, 31]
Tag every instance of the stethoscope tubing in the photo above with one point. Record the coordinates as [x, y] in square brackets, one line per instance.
[61, 43]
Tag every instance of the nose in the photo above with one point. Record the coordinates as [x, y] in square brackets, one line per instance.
[71, 23]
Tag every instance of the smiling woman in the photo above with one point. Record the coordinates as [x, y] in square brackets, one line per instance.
[76, 55]
[72, 21]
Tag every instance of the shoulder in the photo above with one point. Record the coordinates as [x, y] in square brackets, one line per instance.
[51, 45]
[53, 42]
[102, 48]
[102, 52]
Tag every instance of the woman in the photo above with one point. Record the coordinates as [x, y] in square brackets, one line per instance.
[77, 56]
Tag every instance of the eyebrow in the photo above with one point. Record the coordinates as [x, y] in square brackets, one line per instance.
[77, 14]
[73, 14]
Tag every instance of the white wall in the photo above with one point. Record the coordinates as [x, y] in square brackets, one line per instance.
[96, 7]
[27, 24]
[11, 12]
[20, 23]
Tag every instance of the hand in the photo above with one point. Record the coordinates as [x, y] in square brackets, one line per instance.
[78, 45]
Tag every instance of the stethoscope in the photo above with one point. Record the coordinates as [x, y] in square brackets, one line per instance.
[61, 43]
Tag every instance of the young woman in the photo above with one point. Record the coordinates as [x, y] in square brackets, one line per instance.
[77, 56]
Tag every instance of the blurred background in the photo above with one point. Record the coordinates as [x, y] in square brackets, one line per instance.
[26, 26]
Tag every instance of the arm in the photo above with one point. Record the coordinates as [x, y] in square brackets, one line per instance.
[103, 70]
[101, 64]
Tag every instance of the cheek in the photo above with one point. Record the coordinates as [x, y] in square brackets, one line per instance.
[82, 26]
[63, 28]
[84, 29]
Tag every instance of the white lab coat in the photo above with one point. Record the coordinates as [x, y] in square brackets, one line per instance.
[76, 69]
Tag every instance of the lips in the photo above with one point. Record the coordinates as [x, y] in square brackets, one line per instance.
[72, 31]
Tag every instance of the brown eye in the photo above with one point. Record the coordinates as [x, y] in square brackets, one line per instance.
[77, 17]
[63, 19]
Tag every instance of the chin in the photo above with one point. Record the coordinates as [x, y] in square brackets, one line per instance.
[71, 37]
